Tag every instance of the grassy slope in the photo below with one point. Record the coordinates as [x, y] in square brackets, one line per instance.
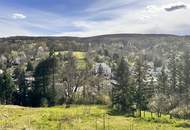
[79, 118]
[80, 57]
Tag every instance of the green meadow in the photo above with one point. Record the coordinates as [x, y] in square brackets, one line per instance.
[82, 117]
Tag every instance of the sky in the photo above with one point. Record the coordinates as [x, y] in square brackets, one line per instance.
[93, 17]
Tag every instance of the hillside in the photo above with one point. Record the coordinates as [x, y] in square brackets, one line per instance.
[116, 40]
[154, 45]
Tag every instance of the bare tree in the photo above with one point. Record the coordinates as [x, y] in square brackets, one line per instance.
[73, 78]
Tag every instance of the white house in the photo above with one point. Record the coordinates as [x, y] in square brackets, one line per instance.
[105, 68]
[1, 71]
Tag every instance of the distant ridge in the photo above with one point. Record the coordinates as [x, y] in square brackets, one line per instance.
[100, 36]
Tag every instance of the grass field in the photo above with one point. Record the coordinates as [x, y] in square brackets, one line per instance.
[77, 54]
[81, 118]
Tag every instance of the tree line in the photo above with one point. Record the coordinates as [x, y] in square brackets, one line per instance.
[168, 94]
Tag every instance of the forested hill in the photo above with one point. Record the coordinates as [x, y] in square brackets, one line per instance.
[118, 41]
[104, 38]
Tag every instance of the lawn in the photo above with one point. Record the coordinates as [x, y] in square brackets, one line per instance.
[81, 117]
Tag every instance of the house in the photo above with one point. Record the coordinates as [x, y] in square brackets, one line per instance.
[1, 71]
[29, 78]
[3, 59]
[106, 70]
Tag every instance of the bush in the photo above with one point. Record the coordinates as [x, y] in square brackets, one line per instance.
[102, 99]
[44, 102]
[181, 112]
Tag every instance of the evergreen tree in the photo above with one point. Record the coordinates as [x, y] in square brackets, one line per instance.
[162, 82]
[140, 76]
[100, 77]
[100, 70]
[29, 66]
[158, 100]
[173, 71]
[187, 70]
[23, 92]
[181, 79]
[185, 91]
[122, 92]
[150, 89]
[2, 89]
[42, 88]
[52, 92]
[7, 88]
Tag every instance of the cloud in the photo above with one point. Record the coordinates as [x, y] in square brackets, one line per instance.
[18, 16]
[175, 7]
[110, 5]
[151, 18]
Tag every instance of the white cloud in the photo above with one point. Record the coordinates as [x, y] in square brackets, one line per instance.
[107, 5]
[151, 18]
[18, 16]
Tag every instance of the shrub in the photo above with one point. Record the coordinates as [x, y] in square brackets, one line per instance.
[44, 102]
[181, 112]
